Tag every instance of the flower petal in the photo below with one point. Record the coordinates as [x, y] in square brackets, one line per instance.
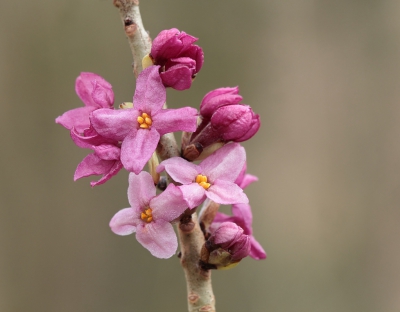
[108, 151]
[256, 250]
[92, 165]
[77, 118]
[150, 94]
[158, 237]
[114, 124]
[225, 192]
[125, 221]
[193, 194]
[107, 176]
[245, 217]
[179, 169]
[141, 190]
[171, 120]
[169, 205]
[226, 163]
[84, 86]
[137, 148]
[178, 77]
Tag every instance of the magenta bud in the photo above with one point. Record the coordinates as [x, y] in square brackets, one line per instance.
[179, 59]
[218, 98]
[227, 245]
[235, 122]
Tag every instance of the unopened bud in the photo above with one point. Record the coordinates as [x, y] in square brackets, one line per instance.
[235, 122]
[226, 247]
[218, 98]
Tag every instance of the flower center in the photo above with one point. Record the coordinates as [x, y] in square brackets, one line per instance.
[147, 215]
[144, 121]
[202, 180]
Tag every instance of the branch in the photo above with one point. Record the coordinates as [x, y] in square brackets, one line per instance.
[138, 38]
[198, 281]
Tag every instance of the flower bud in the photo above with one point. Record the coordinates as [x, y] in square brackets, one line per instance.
[235, 122]
[179, 59]
[218, 98]
[226, 246]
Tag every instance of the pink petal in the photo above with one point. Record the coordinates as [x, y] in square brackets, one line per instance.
[141, 190]
[115, 124]
[256, 250]
[137, 148]
[179, 169]
[169, 205]
[103, 97]
[225, 192]
[125, 221]
[108, 151]
[107, 176]
[247, 180]
[226, 163]
[84, 88]
[92, 165]
[171, 120]
[193, 194]
[245, 217]
[150, 94]
[158, 237]
[77, 118]
[178, 77]
[89, 139]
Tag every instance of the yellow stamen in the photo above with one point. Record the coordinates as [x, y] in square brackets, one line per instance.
[147, 215]
[202, 180]
[144, 121]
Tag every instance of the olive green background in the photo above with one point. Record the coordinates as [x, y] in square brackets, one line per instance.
[325, 78]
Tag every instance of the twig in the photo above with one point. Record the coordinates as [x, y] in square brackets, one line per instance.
[138, 38]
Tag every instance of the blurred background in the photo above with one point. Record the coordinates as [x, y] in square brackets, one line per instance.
[325, 78]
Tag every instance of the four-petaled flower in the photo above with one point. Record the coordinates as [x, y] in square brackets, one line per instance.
[95, 93]
[150, 216]
[213, 178]
[139, 128]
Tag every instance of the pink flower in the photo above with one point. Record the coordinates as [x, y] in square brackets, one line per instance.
[150, 215]
[243, 217]
[179, 58]
[223, 120]
[95, 93]
[230, 237]
[140, 128]
[213, 178]
[104, 161]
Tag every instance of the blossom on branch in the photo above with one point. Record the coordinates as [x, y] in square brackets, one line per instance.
[95, 92]
[213, 178]
[140, 128]
[150, 216]
[179, 59]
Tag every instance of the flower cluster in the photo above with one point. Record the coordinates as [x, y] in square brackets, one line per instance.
[128, 137]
